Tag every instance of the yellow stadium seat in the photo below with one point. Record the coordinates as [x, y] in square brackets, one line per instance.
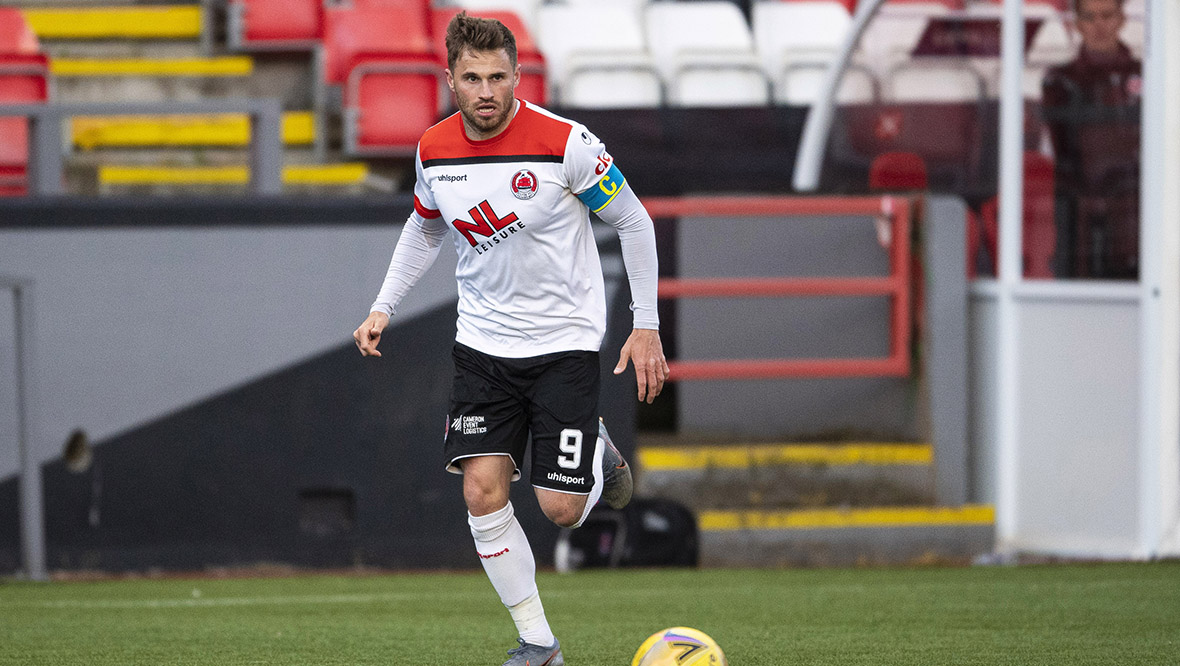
[202, 67]
[229, 129]
[166, 22]
[353, 173]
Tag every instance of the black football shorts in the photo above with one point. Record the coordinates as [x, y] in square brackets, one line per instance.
[496, 403]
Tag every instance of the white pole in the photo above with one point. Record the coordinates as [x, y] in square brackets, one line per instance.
[1159, 281]
[1010, 271]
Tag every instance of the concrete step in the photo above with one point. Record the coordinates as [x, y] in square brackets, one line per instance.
[786, 475]
[769, 504]
[848, 537]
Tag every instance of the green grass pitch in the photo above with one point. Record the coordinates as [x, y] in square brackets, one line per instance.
[1124, 614]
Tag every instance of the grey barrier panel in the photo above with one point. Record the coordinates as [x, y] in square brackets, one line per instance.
[32, 512]
[47, 139]
[944, 237]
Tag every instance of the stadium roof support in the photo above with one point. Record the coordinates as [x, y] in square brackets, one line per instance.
[810, 157]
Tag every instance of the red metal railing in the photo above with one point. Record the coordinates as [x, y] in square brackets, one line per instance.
[894, 210]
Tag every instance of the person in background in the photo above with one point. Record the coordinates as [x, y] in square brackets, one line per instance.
[1091, 108]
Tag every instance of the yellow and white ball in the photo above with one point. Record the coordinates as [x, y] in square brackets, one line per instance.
[679, 646]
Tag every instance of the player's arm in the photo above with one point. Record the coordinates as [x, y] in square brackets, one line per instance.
[416, 250]
[616, 204]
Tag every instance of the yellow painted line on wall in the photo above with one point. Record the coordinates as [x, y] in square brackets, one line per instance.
[739, 456]
[316, 174]
[224, 129]
[173, 22]
[204, 67]
[722, 521]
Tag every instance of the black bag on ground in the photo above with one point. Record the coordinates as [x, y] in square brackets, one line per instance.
[647, 532]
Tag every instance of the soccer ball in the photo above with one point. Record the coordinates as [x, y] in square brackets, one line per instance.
[679, 646]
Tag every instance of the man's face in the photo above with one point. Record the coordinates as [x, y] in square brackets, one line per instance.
[1099, 22]
[483, 83]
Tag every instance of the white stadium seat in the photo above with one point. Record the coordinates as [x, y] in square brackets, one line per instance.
[800, 86]
[895, 30]
[796, 42]
[525, 9]
[706, 54]
[597, 57]
[934, 82]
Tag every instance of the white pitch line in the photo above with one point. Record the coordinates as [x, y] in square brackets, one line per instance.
[200, 602]
[213, 602]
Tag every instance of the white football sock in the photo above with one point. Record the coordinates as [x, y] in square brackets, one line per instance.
[596, 489]
[508, 561]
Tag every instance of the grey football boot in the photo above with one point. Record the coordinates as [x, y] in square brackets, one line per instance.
[535, 655]
[616, 473]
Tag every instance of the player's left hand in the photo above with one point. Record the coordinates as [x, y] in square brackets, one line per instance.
[644, 349]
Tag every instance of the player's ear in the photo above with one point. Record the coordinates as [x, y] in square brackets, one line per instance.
[450, 79]
[516, 76]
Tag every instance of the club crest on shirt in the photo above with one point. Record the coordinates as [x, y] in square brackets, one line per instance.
[524, 184]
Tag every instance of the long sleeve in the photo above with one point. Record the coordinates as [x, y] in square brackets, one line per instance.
[416, 250]
[637, 236]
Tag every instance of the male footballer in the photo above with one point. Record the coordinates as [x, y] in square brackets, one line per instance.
[513, 185]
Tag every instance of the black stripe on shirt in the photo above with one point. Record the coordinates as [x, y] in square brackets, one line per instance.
[492, 159]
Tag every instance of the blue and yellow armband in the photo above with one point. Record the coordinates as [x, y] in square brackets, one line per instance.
[604, 191]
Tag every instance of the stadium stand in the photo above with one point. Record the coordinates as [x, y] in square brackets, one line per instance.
[274, 24]
[24, 78]
[706, 54]
[597, 58]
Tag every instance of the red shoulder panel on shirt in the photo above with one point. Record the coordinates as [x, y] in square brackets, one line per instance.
[529, 133]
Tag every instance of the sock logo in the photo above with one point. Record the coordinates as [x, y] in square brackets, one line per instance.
[491, 555]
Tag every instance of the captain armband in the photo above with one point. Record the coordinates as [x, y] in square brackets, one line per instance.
[605, 190]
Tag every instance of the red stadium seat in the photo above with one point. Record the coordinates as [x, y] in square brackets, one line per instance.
[532, 64]
[1040, 230]
[24, 78]
[382, 54]
[380, 30]
[898, 171]
[390, 101]
[276, 24]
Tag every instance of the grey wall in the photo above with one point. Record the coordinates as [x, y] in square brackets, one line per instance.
[135, 323]
[788, 328]
[1078, 419]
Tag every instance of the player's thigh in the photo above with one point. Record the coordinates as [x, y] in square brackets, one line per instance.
[564, 423]
[487, 417]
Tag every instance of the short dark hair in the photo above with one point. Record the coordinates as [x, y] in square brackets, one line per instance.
[478, 34]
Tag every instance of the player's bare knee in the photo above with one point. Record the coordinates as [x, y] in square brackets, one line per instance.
[567, 513]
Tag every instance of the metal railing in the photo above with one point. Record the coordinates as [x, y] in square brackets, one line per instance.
[48, 145]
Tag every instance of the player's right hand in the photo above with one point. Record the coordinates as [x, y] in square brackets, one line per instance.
[368, 334]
